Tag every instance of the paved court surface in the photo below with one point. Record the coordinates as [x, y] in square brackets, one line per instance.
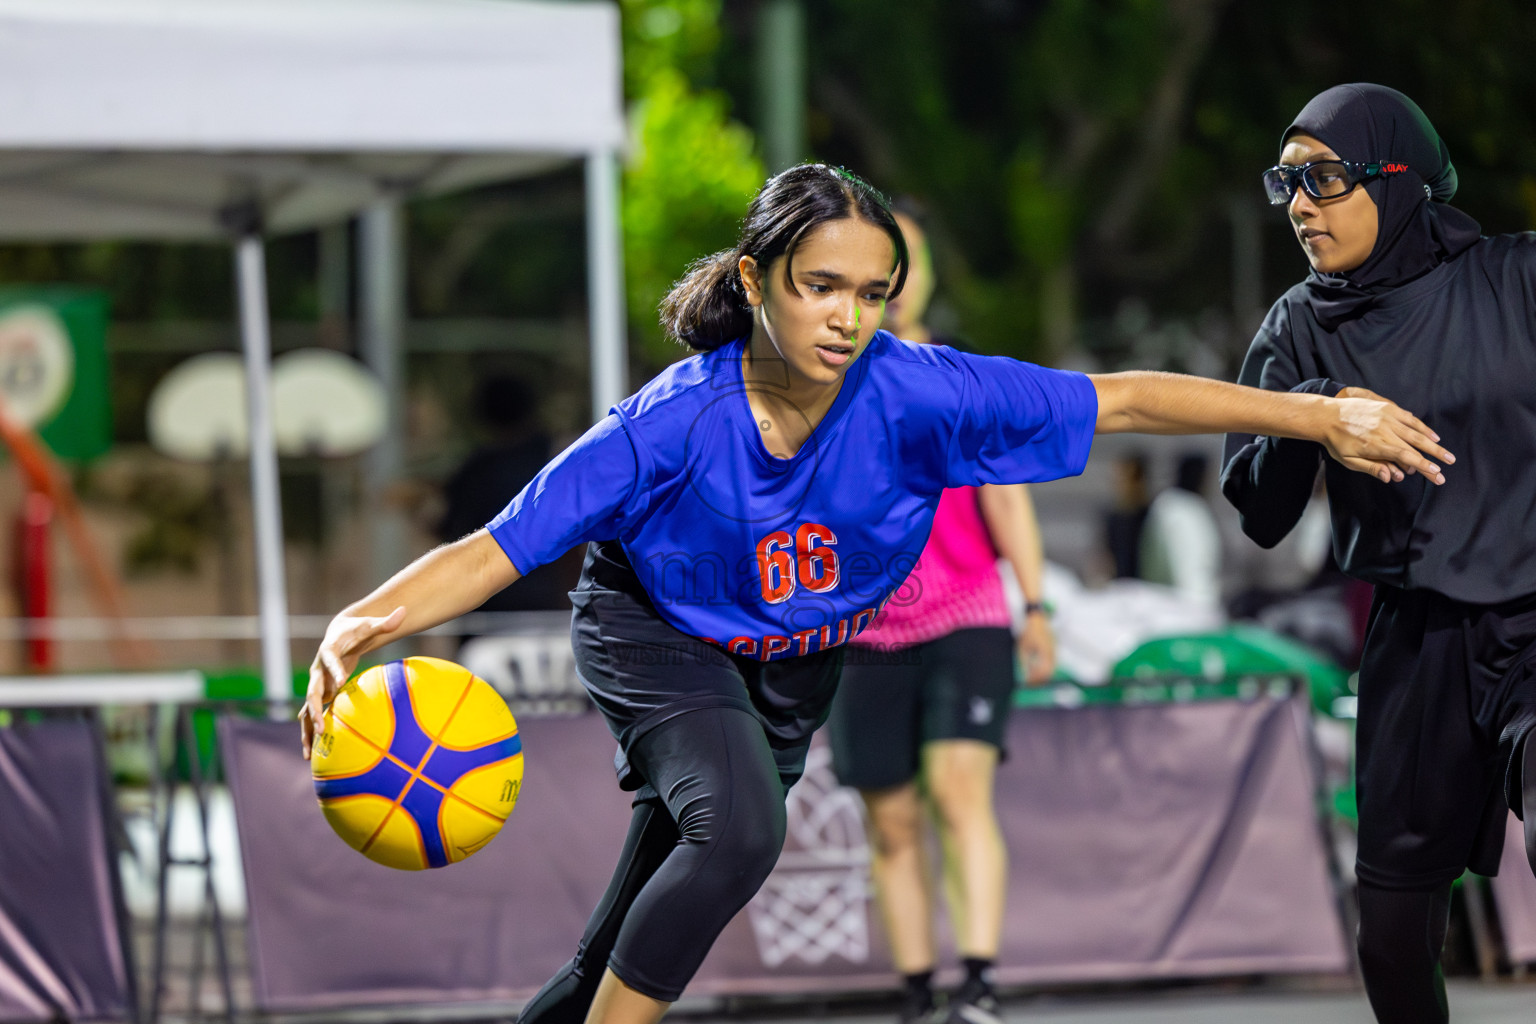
[1471, 1003]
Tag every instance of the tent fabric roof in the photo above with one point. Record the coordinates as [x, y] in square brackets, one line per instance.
[160, 118]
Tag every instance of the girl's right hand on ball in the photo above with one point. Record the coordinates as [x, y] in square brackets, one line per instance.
[346, 639]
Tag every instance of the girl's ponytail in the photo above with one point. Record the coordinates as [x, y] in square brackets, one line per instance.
[708, 307]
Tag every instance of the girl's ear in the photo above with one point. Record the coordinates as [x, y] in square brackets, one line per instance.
[751, 280]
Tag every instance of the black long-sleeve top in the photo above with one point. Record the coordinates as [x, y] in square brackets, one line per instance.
[1456, 347]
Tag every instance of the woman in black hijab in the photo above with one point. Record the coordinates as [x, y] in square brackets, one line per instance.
[1405, 298]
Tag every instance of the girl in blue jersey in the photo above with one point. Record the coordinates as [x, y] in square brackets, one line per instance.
[748, 512]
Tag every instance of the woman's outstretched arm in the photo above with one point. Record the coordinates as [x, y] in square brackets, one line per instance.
[442, 584]
[1368, 435]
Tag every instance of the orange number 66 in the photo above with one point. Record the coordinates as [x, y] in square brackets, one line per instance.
[806, 559]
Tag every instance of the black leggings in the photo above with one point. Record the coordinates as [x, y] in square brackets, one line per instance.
[1402, 931]
[691, 861]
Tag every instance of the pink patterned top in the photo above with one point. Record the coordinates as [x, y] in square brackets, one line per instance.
[954, 586]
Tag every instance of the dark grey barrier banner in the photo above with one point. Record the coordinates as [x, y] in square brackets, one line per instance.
[61, 938]
[1514, 891]
[1150, 841]
[330, 928]
[1146, 841]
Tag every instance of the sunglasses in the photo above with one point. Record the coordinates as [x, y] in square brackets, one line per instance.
[1321, 179]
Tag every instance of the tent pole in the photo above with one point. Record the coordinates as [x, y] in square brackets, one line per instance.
[251, 275]
[605, 284]
[381, 343]
[781, 82]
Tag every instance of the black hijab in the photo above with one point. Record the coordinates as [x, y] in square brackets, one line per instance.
[1368, 123]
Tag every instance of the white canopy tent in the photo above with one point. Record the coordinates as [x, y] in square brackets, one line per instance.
[185, 120]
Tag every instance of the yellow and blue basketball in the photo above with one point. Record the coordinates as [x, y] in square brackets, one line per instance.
[419, 764]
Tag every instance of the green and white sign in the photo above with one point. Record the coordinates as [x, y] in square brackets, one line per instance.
[53, 366]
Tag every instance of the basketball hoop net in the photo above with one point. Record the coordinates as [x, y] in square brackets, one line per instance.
[815, 905]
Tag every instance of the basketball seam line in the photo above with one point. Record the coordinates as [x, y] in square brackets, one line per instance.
[415, 774]
[469, 684]
[407, 769]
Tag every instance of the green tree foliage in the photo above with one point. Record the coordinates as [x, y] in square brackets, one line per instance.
[1074, 154]
[690, 170]
[1036, 133]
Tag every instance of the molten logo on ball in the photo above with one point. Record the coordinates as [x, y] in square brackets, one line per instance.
[419, 765]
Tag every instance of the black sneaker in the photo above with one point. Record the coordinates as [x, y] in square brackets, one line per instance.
[918, 1011]
[973, 1004]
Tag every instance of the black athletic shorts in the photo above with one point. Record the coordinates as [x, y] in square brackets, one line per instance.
[1447, 690]
[640, 671]
[890, 703]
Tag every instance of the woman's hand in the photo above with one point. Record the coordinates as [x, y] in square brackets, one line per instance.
[1371, 434]
[1037, 649]
[346, 639]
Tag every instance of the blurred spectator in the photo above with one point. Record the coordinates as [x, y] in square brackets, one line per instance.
[1124, 522]
[508, 409]
[1180, 540]
[921, 712]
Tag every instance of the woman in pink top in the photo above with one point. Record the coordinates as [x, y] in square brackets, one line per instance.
[922, 708]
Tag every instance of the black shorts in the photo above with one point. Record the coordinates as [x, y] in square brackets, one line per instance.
[1447, 691]
[641, 671]
[890, 703]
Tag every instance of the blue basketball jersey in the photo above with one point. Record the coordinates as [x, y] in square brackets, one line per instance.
[774, 558]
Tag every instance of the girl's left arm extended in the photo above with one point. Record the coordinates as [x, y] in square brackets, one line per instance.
[1369, 435]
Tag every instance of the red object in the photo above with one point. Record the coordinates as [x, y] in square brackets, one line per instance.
[42, 473]
[33, 572]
